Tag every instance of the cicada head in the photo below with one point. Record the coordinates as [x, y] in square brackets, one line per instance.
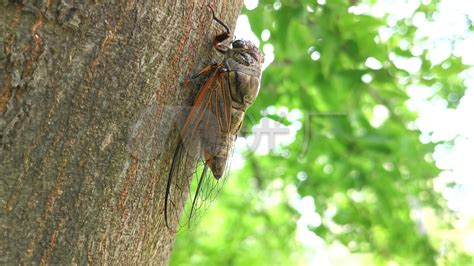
[246, 53]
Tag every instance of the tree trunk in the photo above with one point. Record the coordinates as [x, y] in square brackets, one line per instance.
[85, 149]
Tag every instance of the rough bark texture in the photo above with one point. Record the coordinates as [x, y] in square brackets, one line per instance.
[80, 179]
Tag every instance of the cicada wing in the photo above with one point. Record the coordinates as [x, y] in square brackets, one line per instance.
[216, 139]
[177, 185]
[205, 124]
[201, 189]
[211, 111]
[205, 187]
[204, 190]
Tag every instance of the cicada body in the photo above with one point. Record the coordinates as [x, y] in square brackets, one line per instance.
[212, 125]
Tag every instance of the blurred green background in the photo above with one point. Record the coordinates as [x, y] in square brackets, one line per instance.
[362, 89]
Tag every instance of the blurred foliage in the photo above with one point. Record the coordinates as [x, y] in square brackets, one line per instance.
[368, 180]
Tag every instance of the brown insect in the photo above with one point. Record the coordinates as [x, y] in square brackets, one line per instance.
[211, 127]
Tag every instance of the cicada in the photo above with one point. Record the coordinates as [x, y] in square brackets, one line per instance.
[212, 125]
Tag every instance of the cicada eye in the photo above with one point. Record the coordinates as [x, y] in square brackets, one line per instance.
[238, 44]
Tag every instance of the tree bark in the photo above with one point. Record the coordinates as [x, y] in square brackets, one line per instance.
[85, 149]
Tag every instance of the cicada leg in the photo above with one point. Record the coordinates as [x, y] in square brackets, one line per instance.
[220, 38]
[204, 70]
[201, 72]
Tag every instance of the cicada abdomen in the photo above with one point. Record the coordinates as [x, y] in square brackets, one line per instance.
[211, 128]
